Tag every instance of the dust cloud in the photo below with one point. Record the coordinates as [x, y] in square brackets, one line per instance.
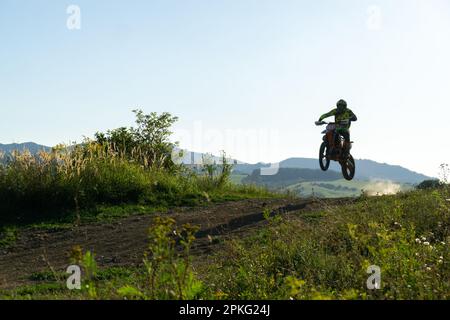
[382, 187]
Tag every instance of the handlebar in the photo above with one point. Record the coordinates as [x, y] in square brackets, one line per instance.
[342, 122]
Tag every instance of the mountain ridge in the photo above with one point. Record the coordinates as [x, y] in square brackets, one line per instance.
[366, 168]
[30, 146]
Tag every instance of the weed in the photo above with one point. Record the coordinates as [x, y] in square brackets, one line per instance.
[170, 274]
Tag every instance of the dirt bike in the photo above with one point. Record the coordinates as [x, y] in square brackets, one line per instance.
[332, 148]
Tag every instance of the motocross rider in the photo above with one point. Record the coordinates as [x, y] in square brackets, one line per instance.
[343, 117]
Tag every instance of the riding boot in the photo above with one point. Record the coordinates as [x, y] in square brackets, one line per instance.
[347, 146]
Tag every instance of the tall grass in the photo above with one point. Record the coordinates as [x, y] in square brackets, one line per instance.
[50, 184]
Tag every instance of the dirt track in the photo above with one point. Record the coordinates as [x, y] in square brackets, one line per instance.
[122, 242]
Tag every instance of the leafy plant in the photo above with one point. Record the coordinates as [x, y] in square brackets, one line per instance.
[89, 266]
[147, 143]
[170, 274]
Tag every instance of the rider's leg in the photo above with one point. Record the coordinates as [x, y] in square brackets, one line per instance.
[346, 135]
[347, 144]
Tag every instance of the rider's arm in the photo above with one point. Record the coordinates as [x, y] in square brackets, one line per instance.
[329, 114]
[353, 116]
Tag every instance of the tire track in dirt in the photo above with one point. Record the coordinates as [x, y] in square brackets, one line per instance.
[123, 242]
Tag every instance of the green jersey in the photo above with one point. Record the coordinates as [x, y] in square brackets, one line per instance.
[347, 114]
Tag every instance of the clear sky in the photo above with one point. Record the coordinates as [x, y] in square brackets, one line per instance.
[247, 76]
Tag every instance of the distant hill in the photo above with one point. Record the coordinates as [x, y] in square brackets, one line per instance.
[315, 182]
[365, 169]
[31, 146]
[289, 176]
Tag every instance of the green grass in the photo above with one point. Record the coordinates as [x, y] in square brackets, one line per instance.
[8, 236]
[320, 254]
[49, 286]
[65, 219]
[237, 178]
[325, 255]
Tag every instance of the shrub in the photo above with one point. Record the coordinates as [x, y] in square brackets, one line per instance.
[429, 184]
[148, 143]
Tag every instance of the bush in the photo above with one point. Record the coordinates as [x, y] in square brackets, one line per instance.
[430, 184]
[148, 143]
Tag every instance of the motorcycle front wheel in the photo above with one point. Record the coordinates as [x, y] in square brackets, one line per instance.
[348, 168]
[324, 160]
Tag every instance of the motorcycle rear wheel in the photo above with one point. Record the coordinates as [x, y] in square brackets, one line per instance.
[348, 168]
[324, 159]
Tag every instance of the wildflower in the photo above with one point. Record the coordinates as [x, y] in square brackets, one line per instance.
[440, 261]
[426, 243]
[424, 239]
[428, 269]
[418, 240]
[443, 243]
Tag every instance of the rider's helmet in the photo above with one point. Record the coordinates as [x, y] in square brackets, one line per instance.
[341, 105]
